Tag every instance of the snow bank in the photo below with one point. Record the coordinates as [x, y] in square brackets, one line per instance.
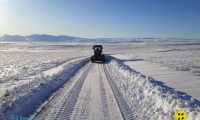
[151, 99]
[25, 99]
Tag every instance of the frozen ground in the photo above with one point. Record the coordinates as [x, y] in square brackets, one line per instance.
[31, 75]
[180, 80]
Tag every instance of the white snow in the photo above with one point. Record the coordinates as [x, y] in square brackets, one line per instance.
[179, 80]
[31, 72]
[25, 98]
[95, 100]
[150, 99]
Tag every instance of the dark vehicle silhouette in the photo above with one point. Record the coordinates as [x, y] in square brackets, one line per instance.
[98, 56]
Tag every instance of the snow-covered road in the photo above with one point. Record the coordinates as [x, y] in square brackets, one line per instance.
[114, 91]
[92, 95]
[63, 84]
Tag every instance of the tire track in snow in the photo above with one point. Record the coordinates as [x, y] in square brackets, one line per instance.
[126, 112]
[67, 104]
[104, 101]
[85, 110]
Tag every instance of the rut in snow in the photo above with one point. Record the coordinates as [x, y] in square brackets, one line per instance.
[69, 103]
[126, 111]
[104, 101]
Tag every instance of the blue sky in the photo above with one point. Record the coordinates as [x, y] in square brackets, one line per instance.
[101, 18]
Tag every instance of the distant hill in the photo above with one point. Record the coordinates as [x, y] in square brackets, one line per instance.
[65, 38]
[60, 38]
[39, 38]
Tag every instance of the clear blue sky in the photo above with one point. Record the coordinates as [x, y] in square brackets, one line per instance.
[101, 18]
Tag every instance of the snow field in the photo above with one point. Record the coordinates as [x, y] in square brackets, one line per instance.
[31, 72]
[24, 100]
[149, 98]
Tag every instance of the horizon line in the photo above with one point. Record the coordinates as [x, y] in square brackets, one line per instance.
[102, 37]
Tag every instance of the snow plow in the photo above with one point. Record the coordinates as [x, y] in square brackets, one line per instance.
[98, 56]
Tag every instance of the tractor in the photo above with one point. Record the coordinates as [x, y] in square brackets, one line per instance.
[98, 56]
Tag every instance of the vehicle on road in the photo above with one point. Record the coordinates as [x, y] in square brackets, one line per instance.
[98, 54]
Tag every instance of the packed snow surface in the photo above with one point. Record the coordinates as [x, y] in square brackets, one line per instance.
[45, 79]
[150, 99]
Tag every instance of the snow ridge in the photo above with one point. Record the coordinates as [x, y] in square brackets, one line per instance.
[27, 98]
[151, 99]
[126, 112]
[67, 105]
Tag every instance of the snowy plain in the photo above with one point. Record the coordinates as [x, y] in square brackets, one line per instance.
[30, 69]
